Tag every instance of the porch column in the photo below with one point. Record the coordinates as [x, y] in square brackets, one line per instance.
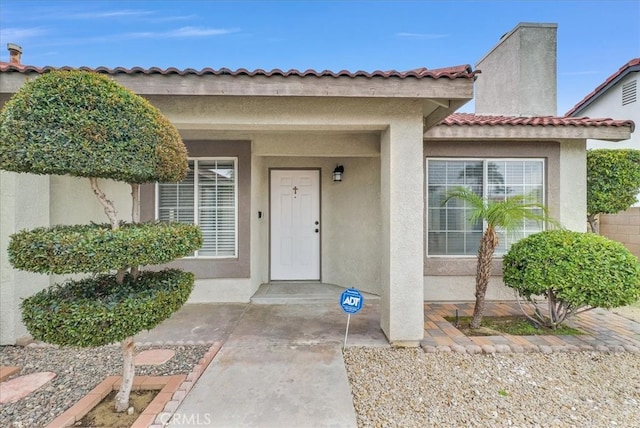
[573, 185]
[402, 194]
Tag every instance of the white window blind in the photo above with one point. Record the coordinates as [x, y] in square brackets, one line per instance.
[208, 198]
[449, 232]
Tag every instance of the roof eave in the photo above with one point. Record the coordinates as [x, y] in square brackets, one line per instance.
[456, 85]
[526, 132]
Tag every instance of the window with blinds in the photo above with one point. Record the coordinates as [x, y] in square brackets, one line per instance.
[208, 198]
[449, 232]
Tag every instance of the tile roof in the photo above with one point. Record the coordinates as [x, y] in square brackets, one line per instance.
[468, 119]
[633, 65]
[461, 71]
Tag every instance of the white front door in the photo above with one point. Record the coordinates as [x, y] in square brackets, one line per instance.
[295, 225]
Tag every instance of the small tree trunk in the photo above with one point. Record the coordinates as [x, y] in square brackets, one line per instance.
[135, 203]
[488, 245]
[109, 208]
[128, 373]
[593, 223]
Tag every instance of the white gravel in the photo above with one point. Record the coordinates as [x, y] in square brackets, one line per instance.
[411, 388]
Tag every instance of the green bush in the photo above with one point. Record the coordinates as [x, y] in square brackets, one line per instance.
[98, 311]
[87, 125]
[573, 271]
[613, 180]
[96, 248]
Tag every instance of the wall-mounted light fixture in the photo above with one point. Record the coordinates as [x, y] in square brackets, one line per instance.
[337, 173]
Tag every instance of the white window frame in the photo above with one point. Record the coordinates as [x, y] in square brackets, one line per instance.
[485, 183]
[196, 202]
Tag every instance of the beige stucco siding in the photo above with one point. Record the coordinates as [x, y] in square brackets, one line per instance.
[350, 219]
[25, 204]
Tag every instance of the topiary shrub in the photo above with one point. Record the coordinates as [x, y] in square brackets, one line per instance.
[574, 271]
[98, 311]
[85, 124]
[98, 248]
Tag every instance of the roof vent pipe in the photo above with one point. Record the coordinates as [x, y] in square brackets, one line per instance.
[15, 53]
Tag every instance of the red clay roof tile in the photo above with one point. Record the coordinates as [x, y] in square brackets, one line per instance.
[468, 119]
[461, 71]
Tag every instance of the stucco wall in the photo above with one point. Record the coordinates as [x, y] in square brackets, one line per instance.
[350, 218]
[25, 205]
[73, 201]
[519, 74]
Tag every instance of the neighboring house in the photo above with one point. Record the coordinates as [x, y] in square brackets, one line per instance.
[264, 146]
[617, 96]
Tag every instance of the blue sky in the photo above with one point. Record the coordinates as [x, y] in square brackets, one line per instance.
[595, 38]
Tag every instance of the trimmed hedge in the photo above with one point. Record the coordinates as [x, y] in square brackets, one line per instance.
[613, 180]
[97, 311]
[580, 269]
[86, 124]
[96, 248]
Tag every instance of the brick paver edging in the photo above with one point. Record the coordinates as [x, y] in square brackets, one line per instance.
[170, 407]
[518, 349]
[173, 390]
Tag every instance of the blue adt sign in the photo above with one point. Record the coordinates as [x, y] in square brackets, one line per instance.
[351, 300]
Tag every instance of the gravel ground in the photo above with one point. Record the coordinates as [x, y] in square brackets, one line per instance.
[410, 388]
[78, 372]
[391, 387]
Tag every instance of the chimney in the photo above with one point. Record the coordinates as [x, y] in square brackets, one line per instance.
[519, 76]
[15, 53]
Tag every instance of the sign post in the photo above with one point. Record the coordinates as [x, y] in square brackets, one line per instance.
[351, 302]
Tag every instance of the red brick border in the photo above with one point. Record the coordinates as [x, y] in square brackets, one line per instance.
[173, 390]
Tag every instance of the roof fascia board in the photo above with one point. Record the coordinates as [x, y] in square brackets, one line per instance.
[292, 86]
[510, 132]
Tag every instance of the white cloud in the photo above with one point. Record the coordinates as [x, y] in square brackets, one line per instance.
[110, 14]
[421, 36]
[182, 32]
[172, 18]
[16, 34]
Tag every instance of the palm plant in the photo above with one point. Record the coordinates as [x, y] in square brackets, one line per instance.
[505, 215]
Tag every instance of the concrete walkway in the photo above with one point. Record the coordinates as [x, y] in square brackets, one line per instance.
[280, 365]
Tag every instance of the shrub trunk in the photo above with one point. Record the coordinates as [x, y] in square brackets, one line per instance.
[128, 373]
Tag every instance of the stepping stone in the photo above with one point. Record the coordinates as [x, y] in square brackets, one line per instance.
[7, 371]
[17, 388]
[154, 357]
